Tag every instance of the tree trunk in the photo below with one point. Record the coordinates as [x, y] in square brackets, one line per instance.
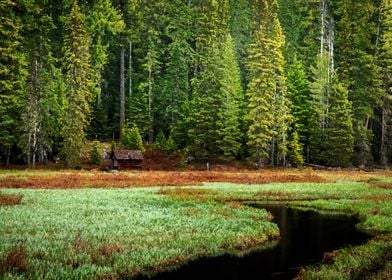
[383, 150]
[122, 90]
[273, 151]
[322, 13]
[150, 100]
[130, 71]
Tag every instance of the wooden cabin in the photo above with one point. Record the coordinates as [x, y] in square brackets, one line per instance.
[123, 159]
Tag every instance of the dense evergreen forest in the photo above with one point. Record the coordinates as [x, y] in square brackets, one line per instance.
[272, 81]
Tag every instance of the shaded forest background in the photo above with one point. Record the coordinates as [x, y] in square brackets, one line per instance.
[275, 82]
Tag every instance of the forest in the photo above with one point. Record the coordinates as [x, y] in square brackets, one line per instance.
[274, 82]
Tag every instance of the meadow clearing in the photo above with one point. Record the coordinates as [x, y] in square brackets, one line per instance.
[97, 225]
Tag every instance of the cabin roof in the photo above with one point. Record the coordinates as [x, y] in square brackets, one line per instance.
[128, 154]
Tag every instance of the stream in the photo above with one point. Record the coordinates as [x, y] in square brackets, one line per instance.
[305, 237]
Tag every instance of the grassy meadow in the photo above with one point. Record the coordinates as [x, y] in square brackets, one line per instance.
[95, 225]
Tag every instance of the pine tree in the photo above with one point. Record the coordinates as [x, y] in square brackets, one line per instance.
[103, 23]
[299, 94]
[261, 87]
[216, 86]
[206, 100]
[385, 59]
[39, 126]
[282, 115]
[355, 49]
[320, 88]
[339, 133]
[160, 141]
[12, 77]
[174, 81]
[95, 153]
[230, 114]
[131, 139]
[295, 151]
[78, 81]
[294, 17]
[268, 113]
[240, 24]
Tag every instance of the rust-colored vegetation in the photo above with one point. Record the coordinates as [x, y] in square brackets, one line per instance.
[108, 250]
[187, 194]
[277, 195]
[329, 257]
[10, 199]
[15, 260]
[381, 185]
[97, 179]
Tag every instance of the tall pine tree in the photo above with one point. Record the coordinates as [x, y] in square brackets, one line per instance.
[79, 85]
[355, 48]
[268, 113]
[385, 61]
[339, 133]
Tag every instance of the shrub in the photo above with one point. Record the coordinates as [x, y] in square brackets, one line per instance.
[95, 154]
[295, 151]
[165, 145]
[131, 139]
[160, 141]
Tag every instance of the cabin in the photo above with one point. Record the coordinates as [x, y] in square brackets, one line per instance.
[123, 159]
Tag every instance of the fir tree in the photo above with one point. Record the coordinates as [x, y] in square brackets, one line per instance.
[95, 153]
[131, 139]
[160, 141]
[267, 105]
[385, 61]
[174, 81]
[295, 151]
[261, 87]
[320, 88]
[229, 132]
[355, 30]
[12, 77]
[103, 23]
[339, 133]
[37, 120]
[216, 86]
[240, 24]
[78, 81]
[299, 94]
[282, 115]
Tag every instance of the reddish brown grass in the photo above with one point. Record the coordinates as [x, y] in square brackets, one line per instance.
[10, 199]
[108, 250]
[96, 179]
[381, 185]
[277, 194]
[187, 194]
[15, 260]
[329, 257]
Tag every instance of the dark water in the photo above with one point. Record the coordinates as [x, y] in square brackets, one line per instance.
[305, 236]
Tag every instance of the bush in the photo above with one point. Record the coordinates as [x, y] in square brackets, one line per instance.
[295, 151]
[131, 139]
[165, 145]
[95, 154]
[160, 141]
[170, 145]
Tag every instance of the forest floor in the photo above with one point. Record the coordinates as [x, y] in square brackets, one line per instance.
[92, 224]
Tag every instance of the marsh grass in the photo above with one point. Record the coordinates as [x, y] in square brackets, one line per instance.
[75, 180]
[9, 199]
[96, 233]
[62, 229]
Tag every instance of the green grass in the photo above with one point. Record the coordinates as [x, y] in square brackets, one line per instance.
[90, 233]
[112, 233]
